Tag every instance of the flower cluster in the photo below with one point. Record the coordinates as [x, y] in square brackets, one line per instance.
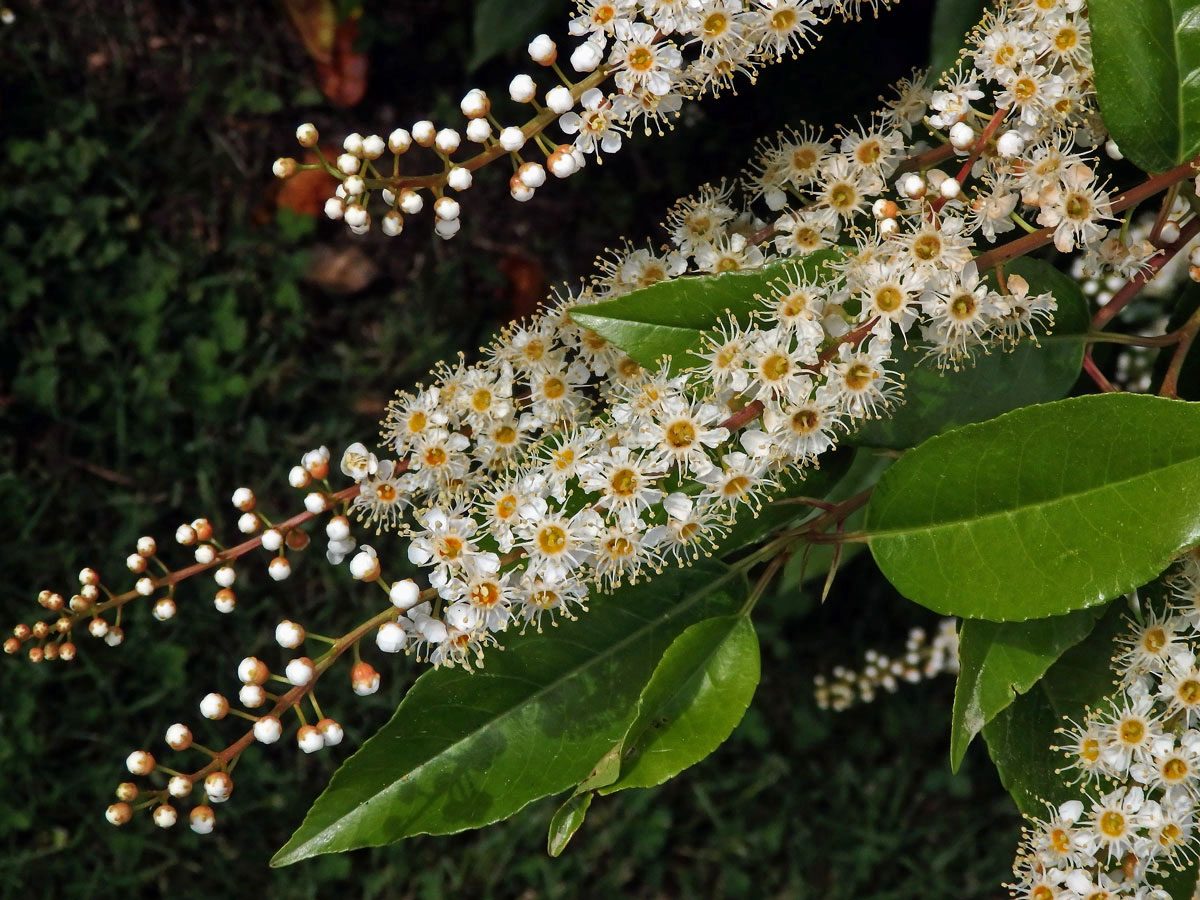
[655, 53]
[1138, 757]
[922, 659]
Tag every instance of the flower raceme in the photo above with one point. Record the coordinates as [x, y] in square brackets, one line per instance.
[557, 465]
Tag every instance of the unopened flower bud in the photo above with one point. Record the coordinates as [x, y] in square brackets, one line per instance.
[252, 670]
[356, 215]
[411, 202]
[334, 208]
[950, 188]
[307, 135]
[1010, 144]
[522, 89]
[390, 638]
[315, 503]
[404, 594]
[542, 50]
[1169, 233]
[119, 813]
[147, 546]
[299, 671]
[392, 223]
[179, 786]
[298, 477]
[179, 736]
[205, 554]
[475, 104]
[140, 762]
[364, 679]
[268, 730]
[512, 138]
[459, 178]
[225, 600]
[66, 651]
[331, 732]
[186, 535]
[252, 696]
[354, 186]
[399, 141]
[309, 739]
[279, 568]
[373, 146]
[297, 539]
[912, 186]
[127, 791]
[447, 228]
[284, 167]
[144, 586]
[165, 816]
[962, 135]
[364, 566]
[348, 164]
[447, 140]
[202, 819]
[586, 57]
[114, 636]
[559, 100]
[164, 609]
[225, 576]
[272, 539]
[479, 130]
[532, 174]
[446, 208]
[562, 162]
[424, 133]
[289, 634]
[337, 528]
[218, 786]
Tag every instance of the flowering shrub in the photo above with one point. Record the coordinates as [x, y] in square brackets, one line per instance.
[608, 490]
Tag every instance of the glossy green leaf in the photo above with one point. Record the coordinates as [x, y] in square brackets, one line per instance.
[993, 383]
[503, 25]
[999, 660]
[696, 697]
[463, 751]
[1147, 60]
[952, 20]
[668, 318]
[1041, 511]
[1019, 738]
[566, 822]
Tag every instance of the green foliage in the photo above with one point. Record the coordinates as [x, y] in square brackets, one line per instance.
[1020, 737]
[697, 695]
[669, 319]
[1147, 59]
[1043, 510]
[999, 660]
[952, 21]
[991, 383]
[467, 750]
[566, 821]
[504, 25]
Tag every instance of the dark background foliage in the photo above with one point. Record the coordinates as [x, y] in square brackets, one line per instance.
[168, 333]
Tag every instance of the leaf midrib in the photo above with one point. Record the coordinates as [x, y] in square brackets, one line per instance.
[699, 594]
[953, 523]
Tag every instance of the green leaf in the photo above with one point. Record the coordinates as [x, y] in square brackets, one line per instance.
[952, 19]
[696, 697]
[463, 751]
[503, 25]
[566, 822]
[1019, 738]
[999, 660]
[993, 383]
[1147, 60]
[1041, 511]
[668, 318]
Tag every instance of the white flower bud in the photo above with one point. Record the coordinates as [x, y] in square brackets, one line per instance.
[214, 706]
[140, 762]
[179, 736]
[164, 609]
[279, 569]
[252, 696]
[962, 135]
[411, 202]
[289, 634]
[522, 89]
[98, 627]
[1169, 233]
[114, 636]
[1010, 144]
[353, 144]
[950, 188]
[147, 546]
[334, 208]
[373, 146]
[475, 104]
[586, 57]
[519, 191]
[888, 227]
[136, 563]
[364, 679]
[284, 167]
[202, 820]
[205, 554]
[225, 576]
[1194, 256]
[248, 523]
[912, 186]
[447, 228]
[392, 223]
[405, 594]
[348, 164]
[399, 141]
[433, 630]
[252, 670]
[542, 50]
[218, 786]
[309, 739]
[562, 162]
[298, 477]
[532, 175]
[268, 730]
[356, 215]
[299, 671]
[459, 178]
[337, 528]
[225, 601]
[180, 786]
[315, 502]
[479, 130]
[307, 135]
[165, 816]
[144, 586]
[88, 576]
[446, 208]
[272, 539]
[364, 566]
[354, 186]
[424, 133]
[559, 100]
[186, 535]
[447, 140]
[118, 813]
[331, 731]
[512, 138]
[390, 638]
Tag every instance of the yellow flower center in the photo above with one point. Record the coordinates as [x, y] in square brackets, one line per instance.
[624, 482]
[963, 306]
[783, 20]
[927, 247]
[485, 594]
[1112, 824]
[1175, 769]
[551, 539]
[681, 434]
[641, 59]
[716, 24]
[435, 456]
[505, 434]
[1024, 89]
[804, 421]
[506, 506]
[1189, 692]
[776, 366]
[385, 492]
[1132, 731]
[858, 377]
[554, 388]
[417, 422]
[888, 298]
